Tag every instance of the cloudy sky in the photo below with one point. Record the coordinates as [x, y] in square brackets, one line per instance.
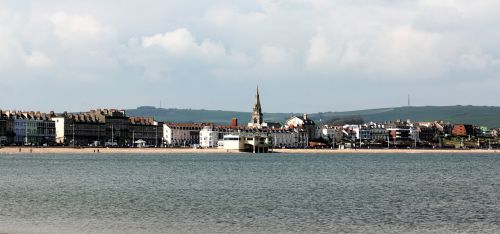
[305, 55]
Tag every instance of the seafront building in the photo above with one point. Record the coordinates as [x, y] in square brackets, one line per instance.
[82, 129]
[106, 127]
[399, 131]
[6, 129]
[304, 123]
[288, 138]
[117, 128]
[259, 136]
[113, 128]
[144, 131]
[256, 142]
[209, 137]
[182, 135]
[28, 128]
[91, 128]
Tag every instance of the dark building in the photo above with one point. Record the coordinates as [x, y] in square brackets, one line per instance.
[378, 134]
[6, 130]
[117, 127]
[145, 129]
[107, 127]
[427, 134]
[84, 129]
[447, 129]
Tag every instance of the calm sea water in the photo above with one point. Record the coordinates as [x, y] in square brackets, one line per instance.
[247, 193]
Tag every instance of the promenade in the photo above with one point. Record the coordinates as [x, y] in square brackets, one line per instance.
[69, 150]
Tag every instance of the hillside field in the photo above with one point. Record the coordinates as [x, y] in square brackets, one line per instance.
[478, 115]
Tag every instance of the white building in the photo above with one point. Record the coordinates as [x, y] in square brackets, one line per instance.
[59, 123]
[175, 135]
[304, 123]
[233, 142]
[288, 138]
[257, 142]
[348, 129]
[328, 134]
[209, 137]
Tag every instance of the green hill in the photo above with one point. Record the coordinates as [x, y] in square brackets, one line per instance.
[477, 115]
[197, 116]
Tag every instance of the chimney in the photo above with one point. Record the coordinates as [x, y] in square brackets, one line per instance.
[234, 122]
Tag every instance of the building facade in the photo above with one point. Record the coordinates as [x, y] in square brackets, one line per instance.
[252, 141]
[209, 137]
[146, 131]
[6, 129]
[31, 128]
[101, 127]
[117, 128]
[84, 129]
[304, 123]
[181, 135]
[462, 130]
[288, 138]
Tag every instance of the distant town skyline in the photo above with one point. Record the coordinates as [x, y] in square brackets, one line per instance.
[305, 56]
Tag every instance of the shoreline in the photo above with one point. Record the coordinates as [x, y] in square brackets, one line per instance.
[68, 150]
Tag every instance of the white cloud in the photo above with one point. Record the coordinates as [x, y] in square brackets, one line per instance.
[319, 50]
[176, 42]
[273, 55]
[79, 28]
[212, 49]
[405, 50]
[222, 16]
[181, 41]
[478, 61]
[11, 50]
[248, 41]
[354, 54]
[38, 60]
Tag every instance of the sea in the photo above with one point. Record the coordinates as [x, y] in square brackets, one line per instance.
[250, 193]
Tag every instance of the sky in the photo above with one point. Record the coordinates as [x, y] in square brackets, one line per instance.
[305, 55]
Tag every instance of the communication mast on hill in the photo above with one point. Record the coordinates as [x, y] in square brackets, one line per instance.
[409, 103]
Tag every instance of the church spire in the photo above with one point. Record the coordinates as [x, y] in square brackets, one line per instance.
[257, 100]
[257, 118]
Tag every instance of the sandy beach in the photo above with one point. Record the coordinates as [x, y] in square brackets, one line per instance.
[69, 150]
[386, 151]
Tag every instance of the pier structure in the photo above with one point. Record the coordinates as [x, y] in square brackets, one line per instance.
[255, 142]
